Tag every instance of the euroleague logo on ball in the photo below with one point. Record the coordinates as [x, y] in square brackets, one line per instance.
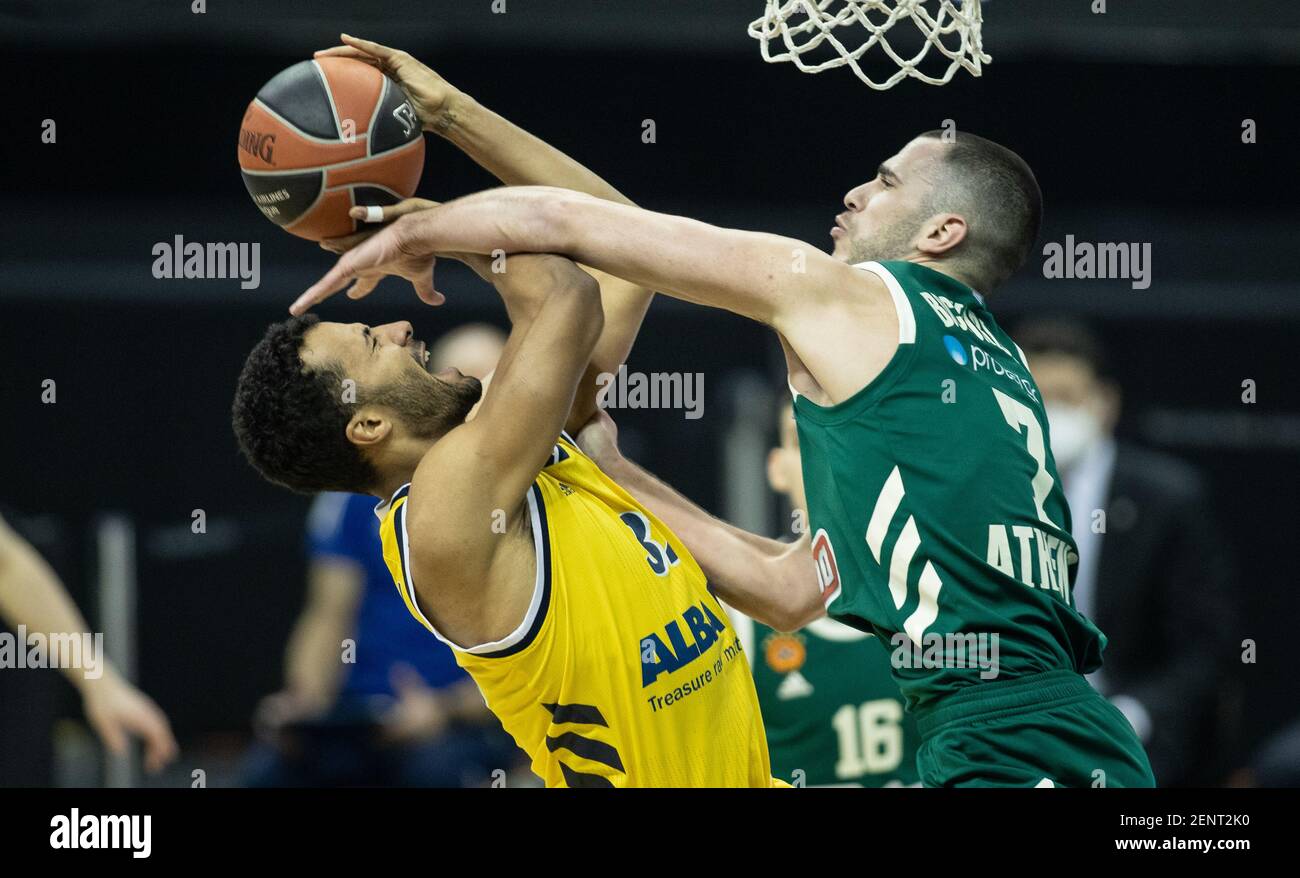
[323, 136]
[257, 144]
[405, 114]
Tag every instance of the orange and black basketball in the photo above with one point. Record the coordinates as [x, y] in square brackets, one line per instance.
[323, 136]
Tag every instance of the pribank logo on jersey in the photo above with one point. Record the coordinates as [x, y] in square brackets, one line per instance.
[955, 350]
[982, 359]
[658, 657]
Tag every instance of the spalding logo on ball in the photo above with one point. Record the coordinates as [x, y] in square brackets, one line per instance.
[323, 136]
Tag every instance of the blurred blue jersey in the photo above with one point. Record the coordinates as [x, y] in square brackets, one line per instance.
[344, 526]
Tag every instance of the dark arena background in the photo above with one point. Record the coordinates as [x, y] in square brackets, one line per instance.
[1168, 124]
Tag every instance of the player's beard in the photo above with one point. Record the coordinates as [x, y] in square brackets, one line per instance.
[430, 406]
[891, 242]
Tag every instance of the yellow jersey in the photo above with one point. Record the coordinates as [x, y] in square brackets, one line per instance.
[625, 671]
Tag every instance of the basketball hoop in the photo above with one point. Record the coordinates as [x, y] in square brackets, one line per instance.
[848, 29]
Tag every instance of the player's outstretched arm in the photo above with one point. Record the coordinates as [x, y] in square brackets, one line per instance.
[774, 582]
[757, 275]
[841, 322]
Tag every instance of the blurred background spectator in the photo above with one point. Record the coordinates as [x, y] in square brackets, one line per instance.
[1154, 573]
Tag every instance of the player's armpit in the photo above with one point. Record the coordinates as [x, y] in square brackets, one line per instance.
[842, 342]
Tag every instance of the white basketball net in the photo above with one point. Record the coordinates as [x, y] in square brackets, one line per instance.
[790, 29]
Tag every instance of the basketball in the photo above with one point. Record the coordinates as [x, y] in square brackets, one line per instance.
[738, 394]
[323, 136]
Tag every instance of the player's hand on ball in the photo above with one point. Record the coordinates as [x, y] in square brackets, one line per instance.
[432, 97]
[415, 268]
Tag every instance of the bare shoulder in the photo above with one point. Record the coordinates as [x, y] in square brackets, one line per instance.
[832, 287]
[845, 332]
[471, 564]
[452, 504]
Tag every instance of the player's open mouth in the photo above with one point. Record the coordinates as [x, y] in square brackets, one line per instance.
[420, 353]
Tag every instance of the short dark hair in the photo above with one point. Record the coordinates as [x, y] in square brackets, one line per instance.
[1064, 337]
[291, 420]
[995, 190]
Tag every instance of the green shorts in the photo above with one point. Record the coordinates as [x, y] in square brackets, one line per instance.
[1048, 729]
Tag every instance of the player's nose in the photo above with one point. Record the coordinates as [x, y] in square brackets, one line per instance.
[398, 333]
[856, 198]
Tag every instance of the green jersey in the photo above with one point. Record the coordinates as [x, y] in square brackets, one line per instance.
[833, 714]
[938, 520]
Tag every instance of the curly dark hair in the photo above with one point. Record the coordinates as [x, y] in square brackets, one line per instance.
[291, 421]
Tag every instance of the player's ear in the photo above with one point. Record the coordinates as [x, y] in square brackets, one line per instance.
[776, 479]
[369, 426]
[941, 233]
